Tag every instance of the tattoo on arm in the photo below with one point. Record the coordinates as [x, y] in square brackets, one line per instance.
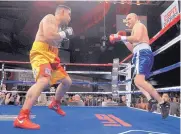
[50, 28]
[50, 20]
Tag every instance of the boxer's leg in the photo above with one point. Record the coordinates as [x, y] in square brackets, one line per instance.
[62, 88]
[43, 74]
[143, 67]
[60, 75]
[35, 91]
[144, 63]
[146, 94]
[142, 84]
[136, 62]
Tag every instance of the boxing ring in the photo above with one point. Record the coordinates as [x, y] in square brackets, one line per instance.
[98, 120]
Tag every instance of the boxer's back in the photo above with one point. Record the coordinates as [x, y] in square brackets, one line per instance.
[40, 35]
[144, 37]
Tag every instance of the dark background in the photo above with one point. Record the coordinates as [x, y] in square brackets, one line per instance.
[19, 22]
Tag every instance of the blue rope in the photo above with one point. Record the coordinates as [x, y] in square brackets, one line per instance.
[159, 71]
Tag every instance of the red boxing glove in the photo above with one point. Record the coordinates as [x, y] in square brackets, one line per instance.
[114, 37]
[122, 33]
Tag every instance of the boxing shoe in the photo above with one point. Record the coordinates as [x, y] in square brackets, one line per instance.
[23, 121]
[55, 105]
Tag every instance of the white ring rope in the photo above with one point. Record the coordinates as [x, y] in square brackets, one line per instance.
[166, 89]
[70, 72]
[169, 44]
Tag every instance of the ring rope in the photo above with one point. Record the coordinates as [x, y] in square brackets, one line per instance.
[166, 89]
[159, 71]
[166, 69]
[70, 72]
[169, 44]
[69, 64]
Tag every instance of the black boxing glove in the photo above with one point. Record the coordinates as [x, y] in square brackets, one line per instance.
[66, 33]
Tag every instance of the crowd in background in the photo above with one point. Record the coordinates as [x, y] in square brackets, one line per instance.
[138, 100]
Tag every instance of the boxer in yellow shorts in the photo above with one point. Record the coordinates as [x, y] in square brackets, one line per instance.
[46, 64]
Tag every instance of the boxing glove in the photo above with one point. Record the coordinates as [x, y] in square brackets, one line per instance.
[122, 33]
[115, 37]
[66, 33]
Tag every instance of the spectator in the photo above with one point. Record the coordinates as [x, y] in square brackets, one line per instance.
[174, 107]
[3, 88]
[76, 101]
[123, 101]
[42, 100]
[2, 98]
[142, 104]
[64, 101]
[12, 99]
[109, 102]
[166, 98]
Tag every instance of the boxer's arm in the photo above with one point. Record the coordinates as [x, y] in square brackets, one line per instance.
[50, 28]
[138, 33]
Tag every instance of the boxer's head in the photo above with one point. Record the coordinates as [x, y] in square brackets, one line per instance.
[63, 14]
[131, 20]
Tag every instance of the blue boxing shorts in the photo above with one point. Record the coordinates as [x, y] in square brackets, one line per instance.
[143, 59]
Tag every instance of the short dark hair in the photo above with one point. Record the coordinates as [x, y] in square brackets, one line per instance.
[62, 7]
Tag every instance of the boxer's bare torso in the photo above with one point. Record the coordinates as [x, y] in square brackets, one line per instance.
[42, 35]
[144, 38]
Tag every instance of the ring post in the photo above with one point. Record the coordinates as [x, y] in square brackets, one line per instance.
[115, 74]
[128, 85]
[2, 77]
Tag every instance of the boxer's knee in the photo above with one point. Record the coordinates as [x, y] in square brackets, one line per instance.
[139, 79]
[38, 87]
[43, 81]
[66, 82]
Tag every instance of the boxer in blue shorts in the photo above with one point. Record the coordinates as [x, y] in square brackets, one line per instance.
[143, 58]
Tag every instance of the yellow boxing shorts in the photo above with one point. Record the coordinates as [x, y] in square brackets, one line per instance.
[45, 62]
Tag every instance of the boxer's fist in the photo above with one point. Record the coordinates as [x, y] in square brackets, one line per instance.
[122, 33]
[114, 37]
[68, 31]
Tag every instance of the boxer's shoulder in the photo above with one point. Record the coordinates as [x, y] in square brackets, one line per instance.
[139, 24]
[49, 17]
